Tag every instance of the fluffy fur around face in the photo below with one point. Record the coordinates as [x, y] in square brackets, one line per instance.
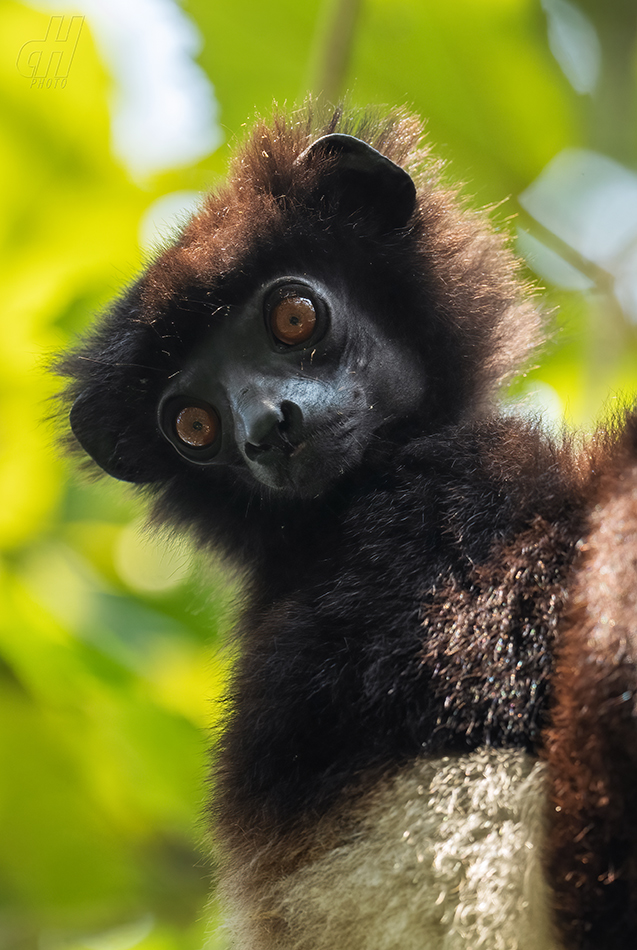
[438, 596]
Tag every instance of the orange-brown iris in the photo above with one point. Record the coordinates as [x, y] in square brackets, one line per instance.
[197, 426]
[293, 320]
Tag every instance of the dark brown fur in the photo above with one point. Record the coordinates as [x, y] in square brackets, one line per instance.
[591, 746]
[417, 603]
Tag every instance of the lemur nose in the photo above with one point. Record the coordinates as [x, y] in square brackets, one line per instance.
[273, 429]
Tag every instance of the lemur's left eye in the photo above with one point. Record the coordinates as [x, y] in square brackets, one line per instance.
[293, 319]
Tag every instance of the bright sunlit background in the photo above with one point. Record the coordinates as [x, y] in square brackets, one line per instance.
[111, 639]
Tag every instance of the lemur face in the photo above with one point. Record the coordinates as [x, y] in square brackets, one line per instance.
[289, 389]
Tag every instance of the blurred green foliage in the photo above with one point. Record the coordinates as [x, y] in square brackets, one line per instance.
[111, 640]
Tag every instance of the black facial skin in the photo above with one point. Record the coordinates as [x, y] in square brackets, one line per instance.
[293, 417]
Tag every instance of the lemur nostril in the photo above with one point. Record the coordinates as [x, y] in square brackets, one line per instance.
[292, 424]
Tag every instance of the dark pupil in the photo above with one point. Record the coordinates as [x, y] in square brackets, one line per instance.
[197, 425]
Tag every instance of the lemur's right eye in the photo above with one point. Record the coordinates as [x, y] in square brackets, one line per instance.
[197, 426]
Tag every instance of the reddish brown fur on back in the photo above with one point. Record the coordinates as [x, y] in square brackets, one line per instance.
[592, 744]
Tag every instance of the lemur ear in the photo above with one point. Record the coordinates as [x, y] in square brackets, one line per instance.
[364, 179]
[99, 439]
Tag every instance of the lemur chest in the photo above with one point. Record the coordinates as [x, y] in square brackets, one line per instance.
[444, 854]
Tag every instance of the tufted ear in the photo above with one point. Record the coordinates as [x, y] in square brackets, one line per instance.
[365, 179]
[97, 435]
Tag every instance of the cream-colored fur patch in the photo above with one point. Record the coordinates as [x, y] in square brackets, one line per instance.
[443, 856]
